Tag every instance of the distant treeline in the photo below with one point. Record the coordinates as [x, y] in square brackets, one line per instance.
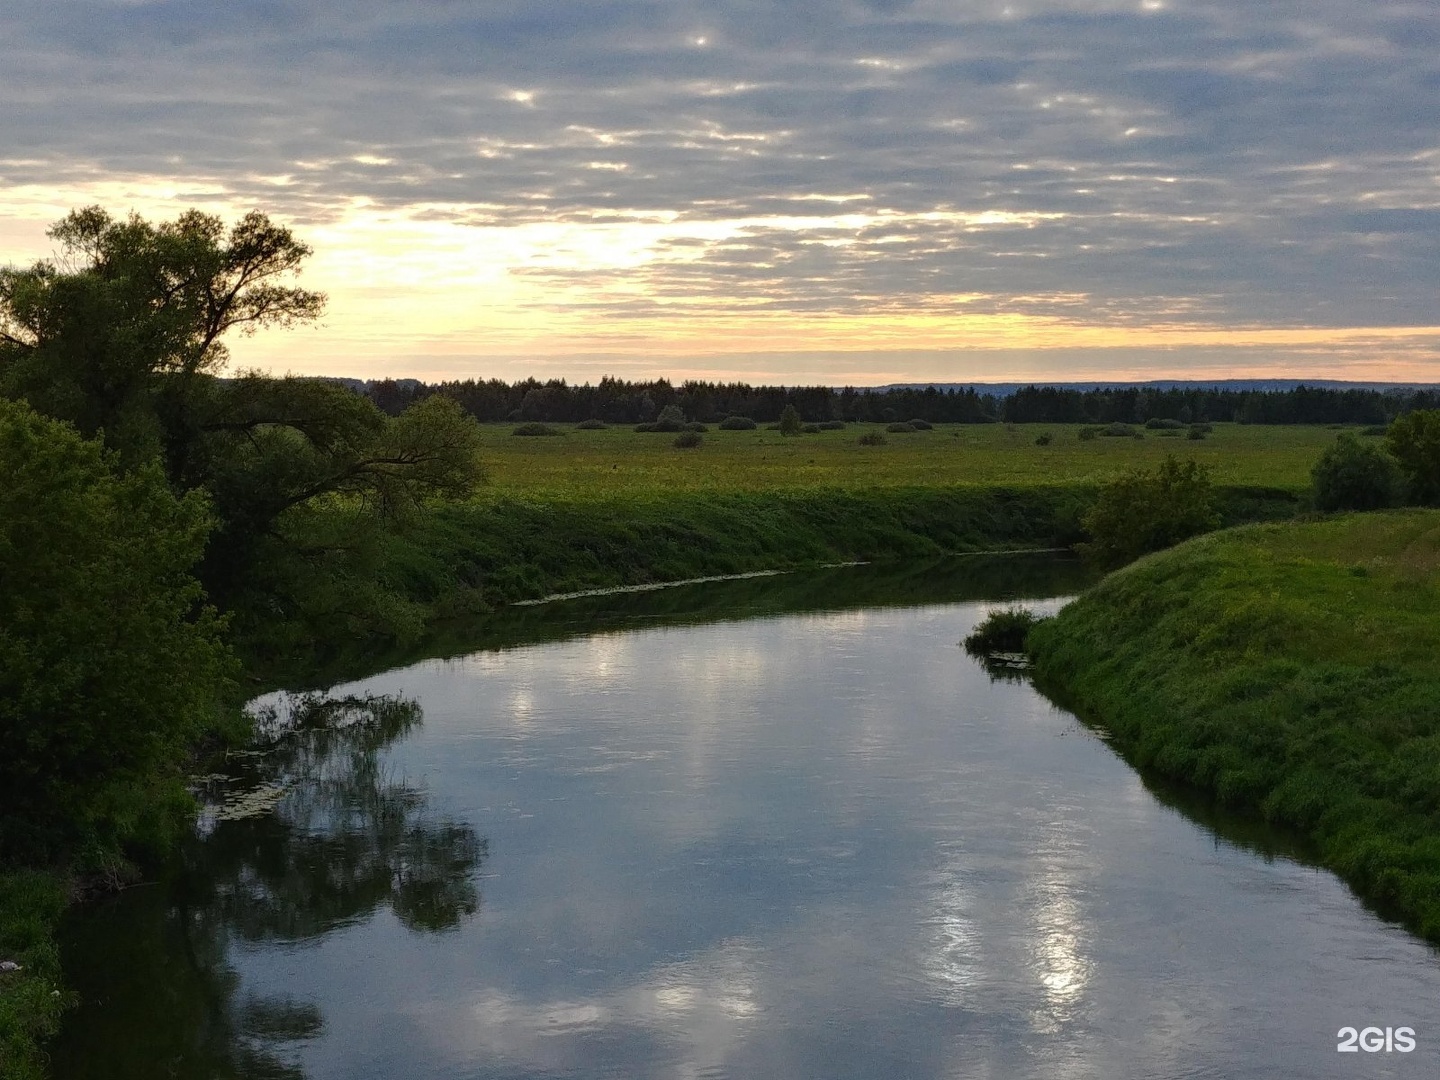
[620, 402]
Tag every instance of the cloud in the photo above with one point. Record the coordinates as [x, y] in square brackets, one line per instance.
[1214, 163]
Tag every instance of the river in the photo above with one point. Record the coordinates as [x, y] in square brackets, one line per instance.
[771, 828]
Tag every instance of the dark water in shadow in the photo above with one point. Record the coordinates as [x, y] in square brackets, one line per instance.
[728, 840]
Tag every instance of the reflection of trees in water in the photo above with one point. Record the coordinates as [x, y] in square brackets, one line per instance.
[345, 840]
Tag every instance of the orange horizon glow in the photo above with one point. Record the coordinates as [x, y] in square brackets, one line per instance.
[443, 292]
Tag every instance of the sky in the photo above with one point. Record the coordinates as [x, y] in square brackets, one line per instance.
[779, 191]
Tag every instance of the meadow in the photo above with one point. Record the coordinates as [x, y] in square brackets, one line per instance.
[621, 462]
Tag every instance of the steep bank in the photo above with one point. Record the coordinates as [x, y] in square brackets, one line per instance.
[1290, 670]
[463, 558]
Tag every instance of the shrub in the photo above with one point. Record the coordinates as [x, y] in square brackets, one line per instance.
[1145, 511]
[871, 438]
[688, 440]
[1351, 475]
[695, 425]
[591, 425]
[110, 667]
[832, 425]
[790, 423]
[899, 428]
[1118, 430]
[1375, 429]
[811, 429]
[1157, 424]
[1043, 440]
[737, 423]
[1198, 432]
[921, 425]
[1414, 440]
[536, 429]
[1088, 433]
[1001, 631]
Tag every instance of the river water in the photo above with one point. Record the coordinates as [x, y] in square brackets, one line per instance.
[774, 828]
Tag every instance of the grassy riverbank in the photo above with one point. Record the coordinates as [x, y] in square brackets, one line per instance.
[30, 999]
[466, 558]
[1292, 671]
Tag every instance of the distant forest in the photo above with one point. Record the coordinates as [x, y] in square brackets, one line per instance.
[617, 401]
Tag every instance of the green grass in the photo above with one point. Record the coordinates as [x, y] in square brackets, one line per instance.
[1291, 671]
[622, 462]
[30, 1000]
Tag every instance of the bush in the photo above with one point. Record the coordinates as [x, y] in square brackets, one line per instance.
[591, 425]
[110, 666]
[1001, 631]
[536, 429]
[1118, 431]
[1414, 440]
[1157, 424]
[921, 425]
[1146, 511]
[1198, 432]
[737, 423]
[688, 440]
[1351, 475]
[790, 423]
[1088, 433]
[832, 425]
[899, 428]
[1043, 440]
[695, 425]
[811, 429]
[871, 438]
[1375, 429]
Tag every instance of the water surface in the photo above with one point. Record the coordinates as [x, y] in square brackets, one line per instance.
[821, 843]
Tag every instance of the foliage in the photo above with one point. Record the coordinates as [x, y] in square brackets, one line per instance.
[1002, 630]
[591, 425]
[1414, 440]
[900, 427]
[1156, 423]
[1146, 511]
[1351, 475]
[790, 423]
[109, 664]
[687, 440]
[1043, 439]
[737, 423]
[921, 425]
[871, 438]
[1119, 431]
[535, 429]
[113, 335]
[123, 335]
[30, 1001]
[1292, 671]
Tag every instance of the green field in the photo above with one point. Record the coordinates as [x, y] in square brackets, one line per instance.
[619, 461]
[1291, 671]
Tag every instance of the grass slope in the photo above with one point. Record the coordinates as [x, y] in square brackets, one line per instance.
[1291, 671]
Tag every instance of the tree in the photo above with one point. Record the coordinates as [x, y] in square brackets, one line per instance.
[1145, 511]
[114, 335]
[109, 664]
[1351, 475]
[122, 336]
[790, 423]
[1414, 440]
